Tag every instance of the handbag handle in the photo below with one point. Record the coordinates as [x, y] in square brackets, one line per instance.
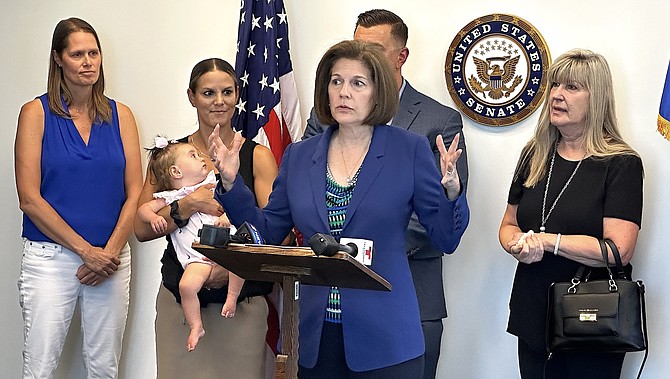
[583, 270]
[603, 251]
[620, 273]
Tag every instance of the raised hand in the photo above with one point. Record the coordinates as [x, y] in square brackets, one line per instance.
[448, 159]
[226, 160]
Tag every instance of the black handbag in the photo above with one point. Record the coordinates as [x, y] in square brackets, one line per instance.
[598, 315]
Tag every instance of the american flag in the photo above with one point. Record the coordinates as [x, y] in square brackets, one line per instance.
[268, 110]
[663, 122]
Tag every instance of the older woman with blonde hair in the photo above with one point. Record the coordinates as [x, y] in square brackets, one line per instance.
[577, 181]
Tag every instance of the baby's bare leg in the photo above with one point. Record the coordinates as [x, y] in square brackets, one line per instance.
[235, 284]
[191, 282]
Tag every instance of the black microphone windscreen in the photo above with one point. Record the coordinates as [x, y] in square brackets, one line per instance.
[351, 249]
[323, 244]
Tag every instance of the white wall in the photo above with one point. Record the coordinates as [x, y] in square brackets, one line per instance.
[150, 46]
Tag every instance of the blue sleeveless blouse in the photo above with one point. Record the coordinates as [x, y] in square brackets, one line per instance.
[84, 183]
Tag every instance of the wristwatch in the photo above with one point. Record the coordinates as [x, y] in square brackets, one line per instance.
[174, 213]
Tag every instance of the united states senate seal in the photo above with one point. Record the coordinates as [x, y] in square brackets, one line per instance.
[496, 69]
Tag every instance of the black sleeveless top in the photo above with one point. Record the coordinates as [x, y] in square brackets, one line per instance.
[172, 270]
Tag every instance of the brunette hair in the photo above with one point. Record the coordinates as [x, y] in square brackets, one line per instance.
[99, 108]
[209, 65]
[160, 161]
[376, 17]
[385, 89]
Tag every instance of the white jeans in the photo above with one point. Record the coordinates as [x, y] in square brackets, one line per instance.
[48, 293]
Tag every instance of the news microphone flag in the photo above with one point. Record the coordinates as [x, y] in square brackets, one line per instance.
[268, 110]
[663, 122]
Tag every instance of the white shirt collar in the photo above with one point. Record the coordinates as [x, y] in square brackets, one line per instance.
[402, 89]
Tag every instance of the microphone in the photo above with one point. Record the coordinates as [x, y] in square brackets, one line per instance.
[325, 244]
[214, 236]
[247, 234]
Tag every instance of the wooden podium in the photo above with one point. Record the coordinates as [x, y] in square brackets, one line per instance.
[290, 266]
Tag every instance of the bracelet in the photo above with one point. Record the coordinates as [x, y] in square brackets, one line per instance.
[558, 242]
[174, 213]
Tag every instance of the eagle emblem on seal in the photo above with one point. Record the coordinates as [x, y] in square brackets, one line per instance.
[494, 79]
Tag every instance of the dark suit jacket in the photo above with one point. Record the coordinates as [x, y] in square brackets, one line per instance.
[421, 114]
[398, 176]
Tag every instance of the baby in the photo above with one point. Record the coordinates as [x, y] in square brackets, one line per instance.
[179, 170]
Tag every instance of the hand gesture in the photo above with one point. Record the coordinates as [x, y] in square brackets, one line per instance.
[448, 159]
[227, 161]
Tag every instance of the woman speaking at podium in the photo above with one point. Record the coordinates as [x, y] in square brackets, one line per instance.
[358, 179]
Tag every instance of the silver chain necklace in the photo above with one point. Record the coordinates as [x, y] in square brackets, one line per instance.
[352, 176]
[546, 188]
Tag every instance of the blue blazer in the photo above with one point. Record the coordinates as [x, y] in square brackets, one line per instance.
[398, 176]
[420, 114]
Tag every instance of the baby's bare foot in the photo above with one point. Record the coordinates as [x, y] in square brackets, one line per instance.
[194, 337]
[229, 309]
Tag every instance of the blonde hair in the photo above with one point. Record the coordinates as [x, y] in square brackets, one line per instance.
[602, 138]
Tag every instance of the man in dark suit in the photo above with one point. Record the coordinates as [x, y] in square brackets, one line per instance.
[420, 114]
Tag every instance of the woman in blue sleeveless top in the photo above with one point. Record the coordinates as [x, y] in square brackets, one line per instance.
[78, 178]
